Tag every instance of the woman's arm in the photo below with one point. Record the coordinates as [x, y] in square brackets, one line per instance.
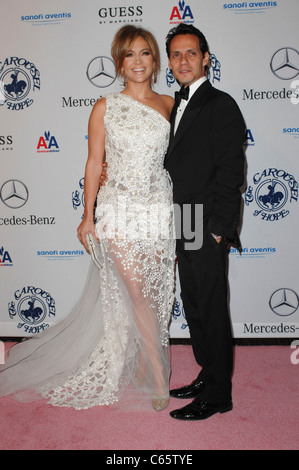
[93, 168]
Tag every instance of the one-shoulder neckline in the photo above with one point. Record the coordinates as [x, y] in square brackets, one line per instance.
[145, 105]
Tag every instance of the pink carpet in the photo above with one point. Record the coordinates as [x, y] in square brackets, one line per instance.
[265, 414]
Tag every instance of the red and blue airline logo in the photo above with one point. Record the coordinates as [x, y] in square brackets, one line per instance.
[47, 143]
[181, 14]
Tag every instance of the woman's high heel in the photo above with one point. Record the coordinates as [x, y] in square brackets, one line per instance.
[160, 404]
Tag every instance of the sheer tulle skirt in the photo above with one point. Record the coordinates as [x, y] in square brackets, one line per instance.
[113, 346]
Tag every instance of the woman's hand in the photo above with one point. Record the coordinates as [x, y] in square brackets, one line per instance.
[86, 226]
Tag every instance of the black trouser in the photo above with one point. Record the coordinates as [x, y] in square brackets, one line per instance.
[203, 278]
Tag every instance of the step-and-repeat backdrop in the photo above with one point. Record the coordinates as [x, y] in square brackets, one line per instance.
[55, 63]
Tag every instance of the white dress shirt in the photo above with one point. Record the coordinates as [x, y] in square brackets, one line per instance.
[183, 103]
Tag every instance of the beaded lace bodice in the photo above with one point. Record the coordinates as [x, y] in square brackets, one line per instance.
[138, 185]
[136, 143]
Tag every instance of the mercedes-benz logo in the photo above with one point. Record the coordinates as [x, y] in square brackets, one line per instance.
[285, 63]
[14, 194]
[101, 71]
[284, 302]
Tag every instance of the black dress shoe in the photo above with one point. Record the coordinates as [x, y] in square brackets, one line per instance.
[200, 409]
[188, 391]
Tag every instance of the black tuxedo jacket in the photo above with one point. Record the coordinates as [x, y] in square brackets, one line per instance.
[205, 158]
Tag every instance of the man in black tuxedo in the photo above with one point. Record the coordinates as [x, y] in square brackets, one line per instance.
[205, 161]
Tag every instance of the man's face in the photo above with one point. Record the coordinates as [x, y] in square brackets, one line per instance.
[186, 59]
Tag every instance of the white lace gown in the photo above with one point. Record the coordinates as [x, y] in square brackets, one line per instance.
[113, 346]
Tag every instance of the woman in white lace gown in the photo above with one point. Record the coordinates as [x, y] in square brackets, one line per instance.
[113, 346]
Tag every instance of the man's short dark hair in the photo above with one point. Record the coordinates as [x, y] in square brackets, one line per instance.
[183, 28]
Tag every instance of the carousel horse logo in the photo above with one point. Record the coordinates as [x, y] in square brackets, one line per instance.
[274, 192]
[269, 197]
[34, 310]
[19, 81]
[32, 306]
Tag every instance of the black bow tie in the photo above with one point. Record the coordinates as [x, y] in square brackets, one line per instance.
[183, 94]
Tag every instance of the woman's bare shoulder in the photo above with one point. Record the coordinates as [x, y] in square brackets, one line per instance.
[99, 109]
[100, 105]
[168, 101]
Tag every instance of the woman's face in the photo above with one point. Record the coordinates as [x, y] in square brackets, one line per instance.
[138, 65]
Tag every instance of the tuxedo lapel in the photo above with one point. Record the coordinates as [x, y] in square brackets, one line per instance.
[172, 122]
[192, 110]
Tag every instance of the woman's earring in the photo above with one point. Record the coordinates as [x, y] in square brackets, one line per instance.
[124, 80]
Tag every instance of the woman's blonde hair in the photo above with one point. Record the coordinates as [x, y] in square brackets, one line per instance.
[121, 45]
